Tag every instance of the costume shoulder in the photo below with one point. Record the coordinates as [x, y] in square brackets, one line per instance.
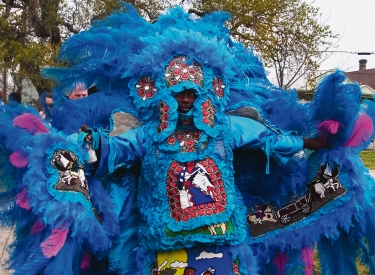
[61, 215]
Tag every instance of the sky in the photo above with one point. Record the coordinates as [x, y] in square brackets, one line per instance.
[354, 22]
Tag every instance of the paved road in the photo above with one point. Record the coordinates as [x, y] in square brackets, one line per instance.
[6, 237]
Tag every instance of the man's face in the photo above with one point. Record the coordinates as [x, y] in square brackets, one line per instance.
[78, 94]
[49, 101]
[185, 100]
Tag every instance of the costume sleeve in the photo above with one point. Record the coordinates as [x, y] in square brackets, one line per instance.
[253, 134]
[122, 150]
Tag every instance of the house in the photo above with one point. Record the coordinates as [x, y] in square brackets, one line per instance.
[365, 78]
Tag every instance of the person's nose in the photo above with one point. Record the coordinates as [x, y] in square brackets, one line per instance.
[185, 98]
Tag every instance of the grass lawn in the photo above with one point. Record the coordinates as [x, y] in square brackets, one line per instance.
[368, 158]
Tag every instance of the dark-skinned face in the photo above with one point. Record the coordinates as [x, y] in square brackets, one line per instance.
[185, 100]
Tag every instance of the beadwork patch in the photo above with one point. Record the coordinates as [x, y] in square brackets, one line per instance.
[195, 189]
[218, 87]
[178, 71]
[322, 190]
[236, 267]
[163, 116]
[188, 140]
[213, 260]
[208, 113]
[72, 177]
[146, 88]
[213, 230]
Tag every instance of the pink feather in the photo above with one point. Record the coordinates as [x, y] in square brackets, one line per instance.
[280, 261]
[307, 256]
[86, 259]
[18, 160]
[52, 245]
[22, 200]
[328, 128]
[37, 227]
[363, 130]
[330, 125]
[33, 124]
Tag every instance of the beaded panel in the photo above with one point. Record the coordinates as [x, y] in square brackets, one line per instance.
[195, 189]
[188, 140]
[208, 113]
[178, 71]
[218, 87]
[163, 116]
[146, 88]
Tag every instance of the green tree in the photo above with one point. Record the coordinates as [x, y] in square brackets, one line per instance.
[286, 34]
[31, 31]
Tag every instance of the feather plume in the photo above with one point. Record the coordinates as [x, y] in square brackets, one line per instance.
[31, 123]
[363, 130]
[37, 227]
[64, 263]
[307, 256]
[52, 245]
[86, 259]
[18, 160]
[338, 256]
[328, 127]
[22, 200]
[280, 261]
[35, 264]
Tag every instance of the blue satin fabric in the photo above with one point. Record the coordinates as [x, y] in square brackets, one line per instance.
[248, 132]
[254, 134]
[122, 150]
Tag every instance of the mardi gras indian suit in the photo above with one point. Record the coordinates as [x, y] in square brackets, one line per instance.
[222, 189]
[186, 195]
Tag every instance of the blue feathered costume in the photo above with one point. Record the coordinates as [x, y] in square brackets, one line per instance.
[223, 189]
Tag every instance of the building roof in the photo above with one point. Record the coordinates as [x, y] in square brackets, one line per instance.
[363, 77]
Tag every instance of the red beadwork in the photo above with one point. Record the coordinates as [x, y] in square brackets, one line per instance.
[218, 87]
[188, 140]
[163, 116]
[205, 209]
[178, 71]
[146, 88]
[208, 113]
[171, 140]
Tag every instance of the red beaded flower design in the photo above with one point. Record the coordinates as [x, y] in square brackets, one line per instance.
[178, 71]
[218, 87]
[188, 140]
[163, 116]
[146, 88]
[208, 113]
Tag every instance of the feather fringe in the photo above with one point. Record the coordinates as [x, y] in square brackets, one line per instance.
[52, 245]
[280, 261]
[22, 200]
[33, 124]
[18, 160]
[307, 256]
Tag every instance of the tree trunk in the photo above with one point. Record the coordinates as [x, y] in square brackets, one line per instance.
[5, 86]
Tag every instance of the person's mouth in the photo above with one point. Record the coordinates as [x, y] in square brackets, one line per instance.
[184, 109]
